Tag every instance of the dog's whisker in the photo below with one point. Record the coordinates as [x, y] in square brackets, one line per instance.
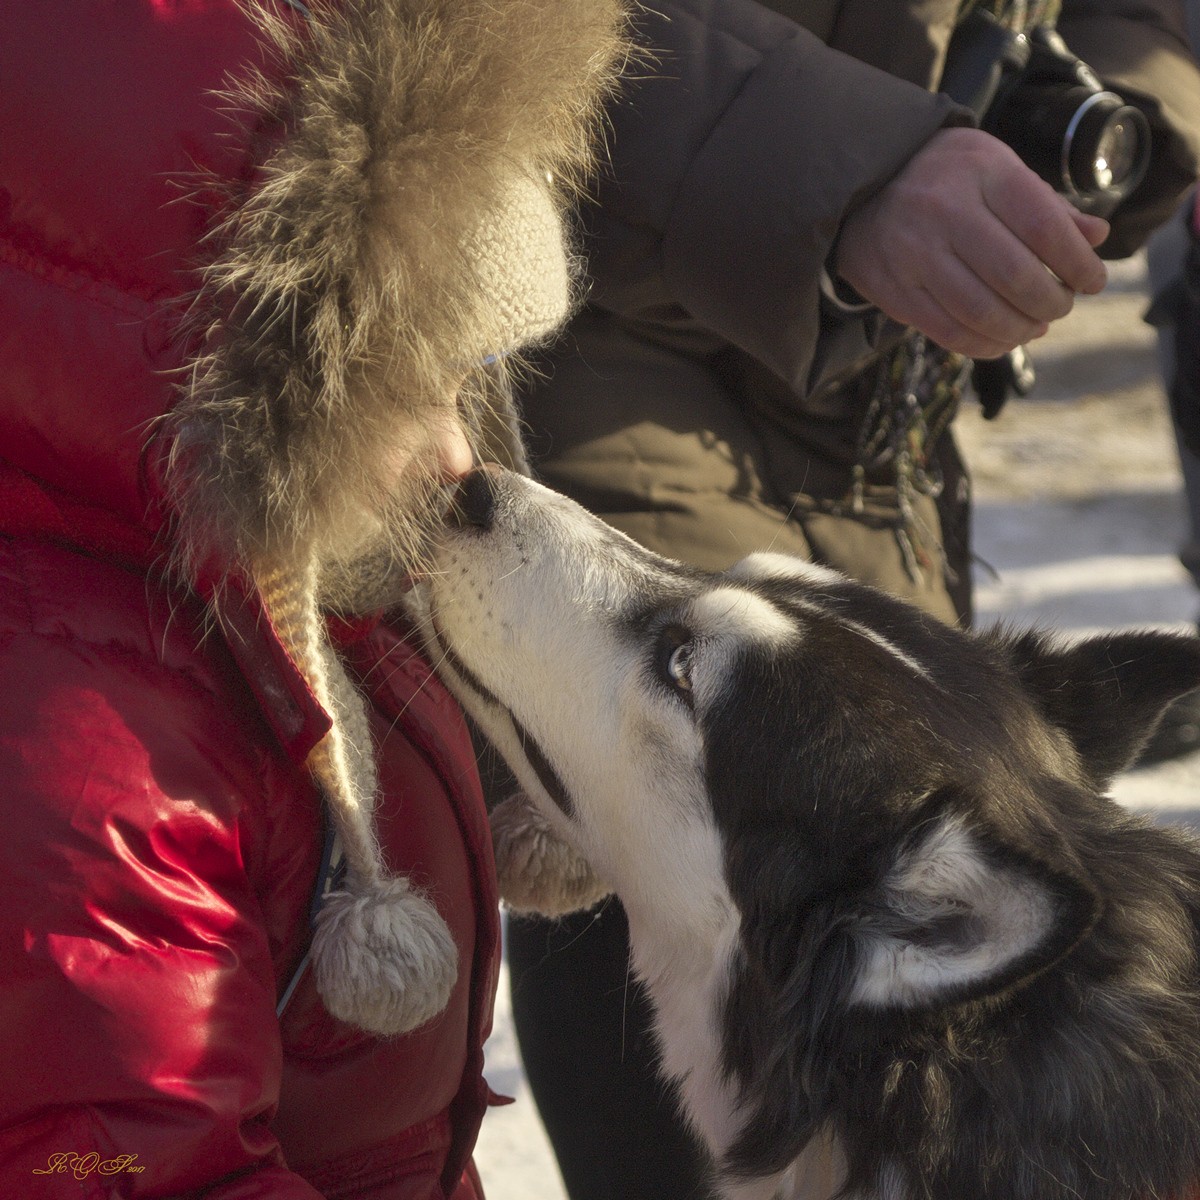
[787, 516]
[625, 1003]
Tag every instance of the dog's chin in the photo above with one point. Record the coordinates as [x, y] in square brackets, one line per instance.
[457, 674]
[539, 872]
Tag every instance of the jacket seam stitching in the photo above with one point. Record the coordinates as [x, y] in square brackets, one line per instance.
[77, 282]
[145, 663]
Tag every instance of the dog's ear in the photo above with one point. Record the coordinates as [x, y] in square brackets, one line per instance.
[1108, 692]
[841, 952]
[959, 915]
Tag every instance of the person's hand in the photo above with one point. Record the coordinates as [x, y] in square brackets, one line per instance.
[972, 248]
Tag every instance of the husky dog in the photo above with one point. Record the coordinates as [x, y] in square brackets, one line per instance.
[874, 885]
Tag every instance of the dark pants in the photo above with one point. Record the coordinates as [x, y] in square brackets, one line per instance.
[584, 1027]
[1167, 255]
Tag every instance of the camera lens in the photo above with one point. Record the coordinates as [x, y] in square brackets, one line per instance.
[1032, 93]
[1116, 152]
[1106, 146]
[1088, 144]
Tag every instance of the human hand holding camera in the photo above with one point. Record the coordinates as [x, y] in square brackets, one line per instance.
[968, 245]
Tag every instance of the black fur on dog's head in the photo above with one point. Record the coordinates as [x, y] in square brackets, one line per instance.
[915, 830]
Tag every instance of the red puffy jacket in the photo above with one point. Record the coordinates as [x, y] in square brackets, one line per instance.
[161, 837]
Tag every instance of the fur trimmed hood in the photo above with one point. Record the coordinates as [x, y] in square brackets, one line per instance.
[405, 228]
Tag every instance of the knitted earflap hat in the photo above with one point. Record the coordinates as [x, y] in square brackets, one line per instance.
[407, 228]
[384, 959]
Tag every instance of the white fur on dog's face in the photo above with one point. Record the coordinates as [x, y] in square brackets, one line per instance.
[572, 624]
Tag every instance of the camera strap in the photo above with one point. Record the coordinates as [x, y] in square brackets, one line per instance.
[907, 397]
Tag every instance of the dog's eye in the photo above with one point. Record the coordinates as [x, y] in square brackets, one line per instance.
[679, 665]
[675, 658]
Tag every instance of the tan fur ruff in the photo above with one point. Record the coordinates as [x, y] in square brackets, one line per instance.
[341, 307]
[398, 233]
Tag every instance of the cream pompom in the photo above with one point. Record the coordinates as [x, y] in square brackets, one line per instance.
[383, 958]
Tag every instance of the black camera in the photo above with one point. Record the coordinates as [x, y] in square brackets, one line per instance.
[1032, 93]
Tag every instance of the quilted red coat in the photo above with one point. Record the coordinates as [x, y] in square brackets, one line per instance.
[161, 837]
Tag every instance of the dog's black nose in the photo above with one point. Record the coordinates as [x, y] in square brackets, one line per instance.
[475, 500]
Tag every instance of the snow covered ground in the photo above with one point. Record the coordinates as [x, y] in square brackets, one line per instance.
[1079, 513]
[1079, 518]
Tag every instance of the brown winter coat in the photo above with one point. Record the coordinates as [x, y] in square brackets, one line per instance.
[694, 406]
